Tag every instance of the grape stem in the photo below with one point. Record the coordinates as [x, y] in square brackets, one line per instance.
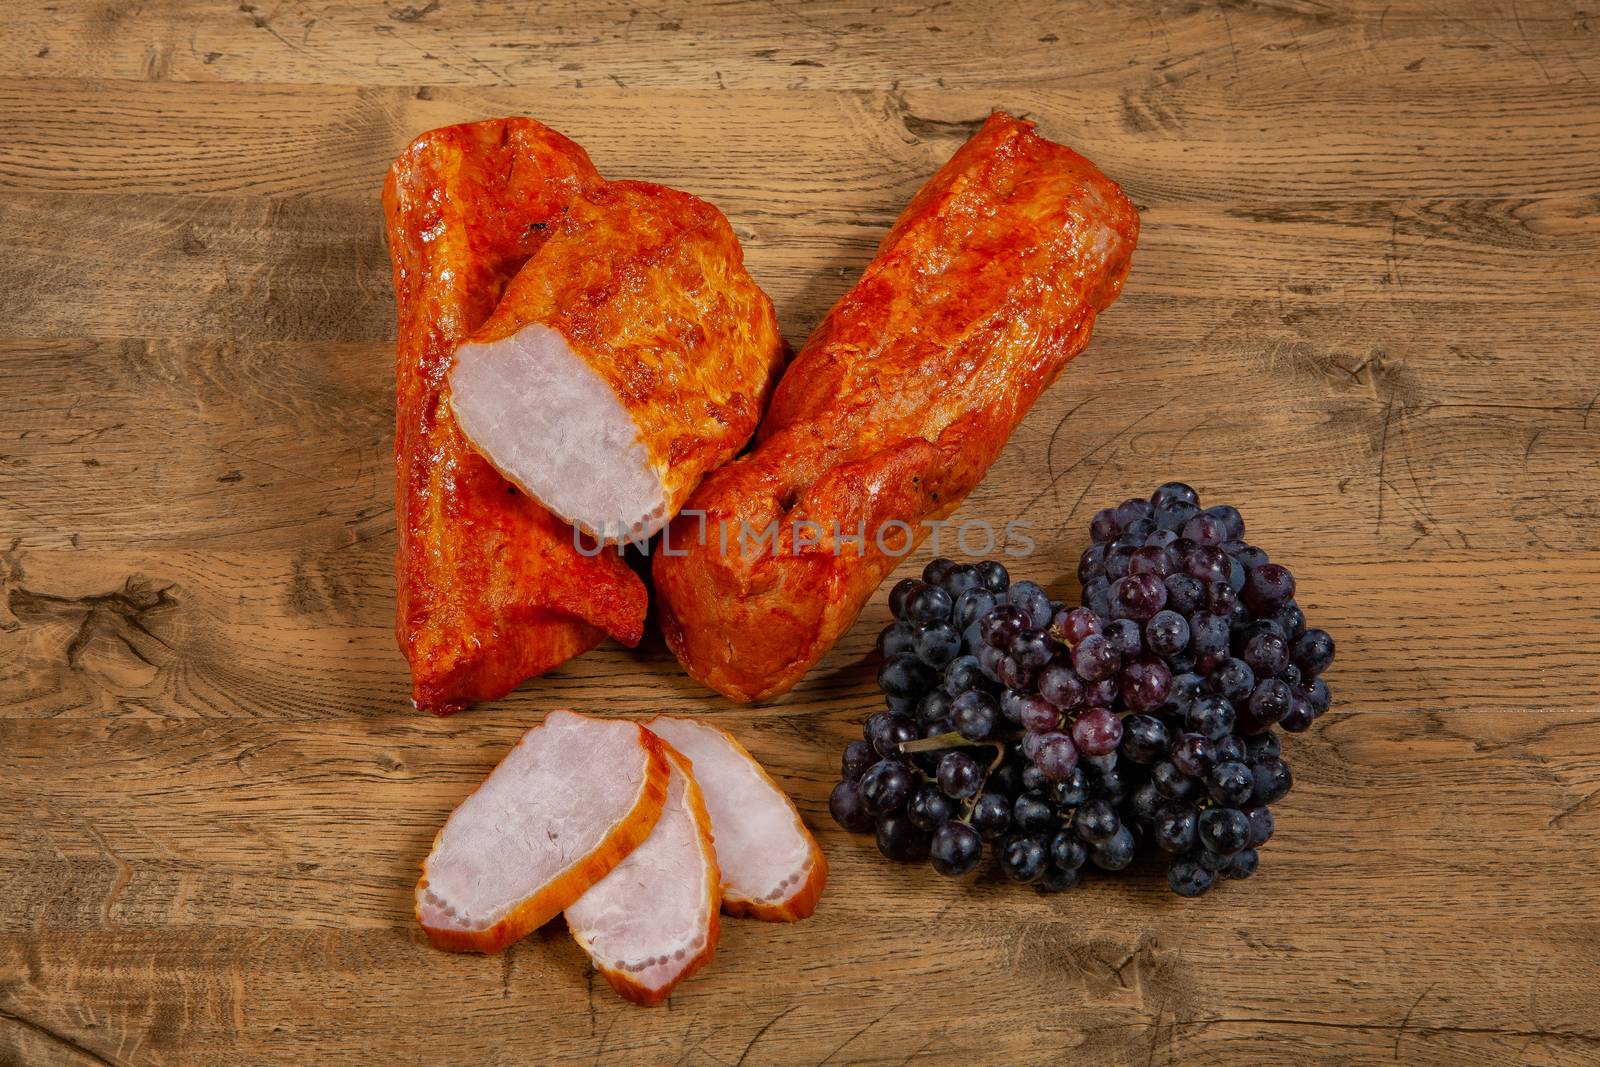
[950, 739]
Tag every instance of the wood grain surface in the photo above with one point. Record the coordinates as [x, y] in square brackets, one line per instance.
[1365, 308]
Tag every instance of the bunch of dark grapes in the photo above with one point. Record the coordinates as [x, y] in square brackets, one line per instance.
[1069, 737]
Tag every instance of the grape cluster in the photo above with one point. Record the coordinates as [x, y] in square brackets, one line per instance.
[1071, 736]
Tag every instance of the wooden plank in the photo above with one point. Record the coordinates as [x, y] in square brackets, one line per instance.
[745, 44]
[850, 158]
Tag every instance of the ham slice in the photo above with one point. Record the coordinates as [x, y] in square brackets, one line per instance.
[558, 814]
[652, 922]
[772, 868]
[629, 357]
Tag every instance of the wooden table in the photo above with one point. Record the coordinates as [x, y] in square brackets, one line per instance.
[1365, 308]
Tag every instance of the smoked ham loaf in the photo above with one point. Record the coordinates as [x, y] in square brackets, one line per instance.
[653, 921]
[491, 588]
[559, 813]
[772, 868]
[985, 287]
[630, 356]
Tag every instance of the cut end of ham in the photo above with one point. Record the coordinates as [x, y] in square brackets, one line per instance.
[559, 813]
[772, 868]
[548, 422]
[653, 921]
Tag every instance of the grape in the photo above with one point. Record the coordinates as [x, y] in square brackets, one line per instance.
[1039, 715]
[1023, 857]
[1185, 688]
[1146, 683]
[1101, 694]
[886, 730]
[1138, 596]
[992, 575]
[1073, 626]
[1030, 649]
[1261, 824]
[1267, 588]
[1171, 782]
[899, 838]
[934, 707]
[1300, 715]
[928, 604]
[1215, 862]
[1007, 778]
[1167, 633]
[1113, 784]
[1032, 811]
[1097, 595]
[905, 676]
[1211, 717]
[1172, 516]
[1096, 821]
[1192, 754]
[1092, 563]
[1313, 652]
[1002, 623]
[1094, 659]
[1208, 634]
[1243, 864]
[1291, 620]
[1117, 853]
[1176, 826]
[991, 815]
[1222, 599]
[1273, 780]
[1236, 575]
[1097, 732]
[1205, 529]
[1262, 746]
[1071, 790]
[971, 606]
[902, 591]
[1125, 636]
[1230, 783]
[1033, 601]
[1267, 653]
[1224, 830]
[1187, 878]
[1013, 674]
[1147, 799]
[1163, 539]
[938, 644]
[845, 805]
[1233, 679]
[1317, 695]
[897, 639]
[1153, 560]
[1133, 509]
[961, 579]
[989, 660]
[963, 674]
[959, 775]
[929, 807]
[1059, 685]
[1118, 560]
[956, 849]
[1229, 748]
[1267, 704]
[1067, 853]
[1104, 526]
[1173, 492]
[937, 570]
[1144, 738]
[858, 756]
[1249, 556]
[1057, 756]
[975, 715]
[1232, 521]
[1137, 531]
[885, 786]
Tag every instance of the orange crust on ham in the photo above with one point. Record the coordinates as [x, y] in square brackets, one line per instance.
[983, 290]
[803, 901]
[623, 982]
[490, 588]
[555, 896]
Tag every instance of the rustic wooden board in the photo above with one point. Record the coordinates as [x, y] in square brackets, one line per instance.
[1365, 308]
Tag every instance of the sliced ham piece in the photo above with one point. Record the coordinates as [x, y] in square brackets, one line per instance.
[630, 356]
[558, 814]
[772, 868]
[653, 921]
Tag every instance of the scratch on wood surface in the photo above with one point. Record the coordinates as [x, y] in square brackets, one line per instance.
[768, 1025]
